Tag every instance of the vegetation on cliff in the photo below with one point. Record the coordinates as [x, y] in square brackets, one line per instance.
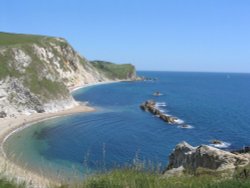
[4, 183]
[114, 71]
[36, 73]
[131, 178]
[134, 179]
[25, 57]
[143, 175]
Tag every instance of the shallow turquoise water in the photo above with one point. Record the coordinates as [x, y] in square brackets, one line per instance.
[216, 105]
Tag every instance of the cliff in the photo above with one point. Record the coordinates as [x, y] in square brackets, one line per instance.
[186, 158]
[114, 71]
[36, 73]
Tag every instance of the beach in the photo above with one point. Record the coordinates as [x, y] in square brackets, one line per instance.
[11, 125]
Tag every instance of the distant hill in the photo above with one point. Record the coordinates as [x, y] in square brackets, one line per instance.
[36, 73]
[114, 71]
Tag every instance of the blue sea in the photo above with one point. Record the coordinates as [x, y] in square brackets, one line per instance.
[118, 133]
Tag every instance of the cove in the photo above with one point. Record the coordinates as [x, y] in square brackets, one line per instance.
[118, 133]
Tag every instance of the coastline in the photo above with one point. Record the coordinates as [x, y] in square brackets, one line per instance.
[11, 125]
[75, 88]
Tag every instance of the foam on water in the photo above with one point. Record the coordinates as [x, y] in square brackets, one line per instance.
[160, 104]
[179, 121]
[185, 126]
[222, 145]
[167, 114]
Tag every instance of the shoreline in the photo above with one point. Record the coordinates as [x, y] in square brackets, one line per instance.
[12, 125]
[75, 88]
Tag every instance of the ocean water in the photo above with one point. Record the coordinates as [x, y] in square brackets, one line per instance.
[118, 133]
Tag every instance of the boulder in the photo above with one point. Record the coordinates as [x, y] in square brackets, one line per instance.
[149, 105]
[3, 114]
[206, 157]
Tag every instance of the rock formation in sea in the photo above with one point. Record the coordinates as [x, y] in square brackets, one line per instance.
[151, 107]
[36, 73]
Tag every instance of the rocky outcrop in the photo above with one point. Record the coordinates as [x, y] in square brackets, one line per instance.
[150, 106]
[36, 73]
[189, 158]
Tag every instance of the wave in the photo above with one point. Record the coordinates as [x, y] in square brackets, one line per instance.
[221, 145]
[167, 114]
[185, 126]
[160, 94]
[160, 104]
[179, 121]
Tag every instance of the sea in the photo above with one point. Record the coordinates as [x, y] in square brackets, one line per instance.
[212, 106]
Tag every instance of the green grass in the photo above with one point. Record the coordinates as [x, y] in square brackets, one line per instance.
[138, 177]
[7, 39]
[20, 40]
[9, 184]
[5, 65]
[113, 71]
[129, 178]
[41, 86]
[47, 89]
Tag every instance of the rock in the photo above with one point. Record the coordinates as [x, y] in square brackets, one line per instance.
[3, 114]
[216, 142]
[151, 107]
[21, 59]
[39, 109]
[148, 78]
[184, 126]
[206, 157]
[157, 93]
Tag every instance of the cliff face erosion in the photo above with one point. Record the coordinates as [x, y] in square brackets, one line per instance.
[36, 73]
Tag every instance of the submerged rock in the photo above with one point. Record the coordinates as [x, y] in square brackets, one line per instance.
[216, 142]
[185, 126]
[206, 157]
[157, 93]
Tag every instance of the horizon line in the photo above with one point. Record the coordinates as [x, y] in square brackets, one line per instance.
[180, 71]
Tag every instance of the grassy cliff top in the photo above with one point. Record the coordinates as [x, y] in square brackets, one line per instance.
[111, 70]
[8, 39]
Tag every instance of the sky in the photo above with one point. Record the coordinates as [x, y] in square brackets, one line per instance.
[165, 35]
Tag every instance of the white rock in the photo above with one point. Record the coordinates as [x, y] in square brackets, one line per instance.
[192, 158]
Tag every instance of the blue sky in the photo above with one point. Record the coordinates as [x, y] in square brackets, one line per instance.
[171, 35]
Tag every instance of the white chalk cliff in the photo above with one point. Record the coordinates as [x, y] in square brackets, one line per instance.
[36, 73]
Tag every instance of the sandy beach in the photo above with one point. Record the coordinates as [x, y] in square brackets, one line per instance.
[11, 125]
[72, 89]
